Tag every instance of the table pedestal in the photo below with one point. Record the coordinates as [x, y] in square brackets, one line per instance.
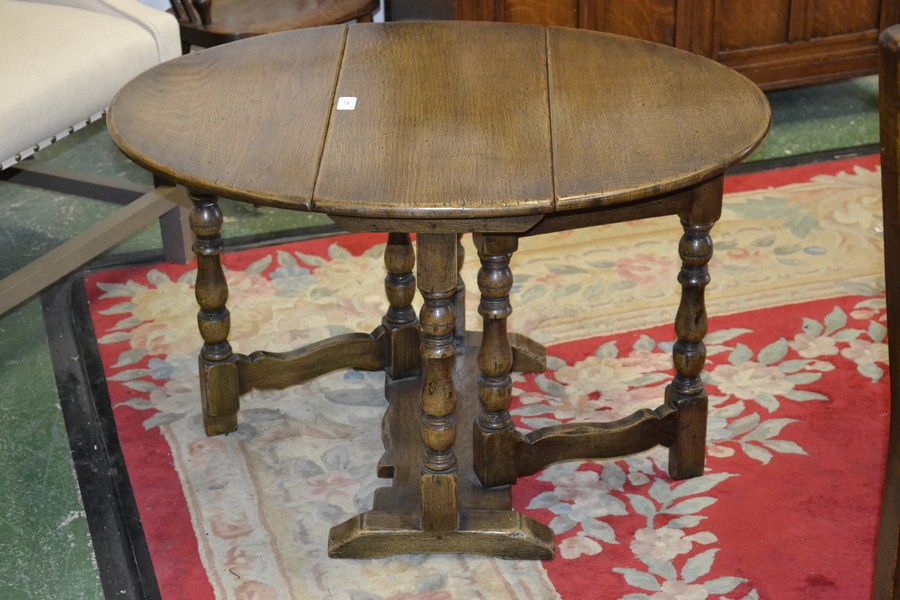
[486, 523]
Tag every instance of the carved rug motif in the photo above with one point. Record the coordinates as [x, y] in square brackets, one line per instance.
[788, 506]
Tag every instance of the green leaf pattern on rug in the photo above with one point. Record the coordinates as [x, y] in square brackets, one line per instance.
[610, 384]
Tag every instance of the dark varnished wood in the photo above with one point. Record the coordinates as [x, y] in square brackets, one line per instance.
[776, 43]
[504, 533]
[486, 225]
[278, 370]
[436, 275]
[633, 90]
[485, 525]
[887, 559]
[208, 23]
[225, 375]
[686, 393]
[219, 385]
[262, 130]
[400, 324]
[499, 130]
[420, 85]
[528, 355]
[645, 208]
[454, 122]
[459, 300]
[635, 433]
[494, 435]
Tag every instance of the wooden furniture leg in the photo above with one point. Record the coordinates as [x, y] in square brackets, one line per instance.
[687, 455]
[494, 435]
[528, 356]
[437, 285]
[219, 385]
[435, 504]
[887, 553]
[502, 454]
[226, 375]
[400, 326]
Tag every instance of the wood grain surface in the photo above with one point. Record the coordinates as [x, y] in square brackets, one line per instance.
[246, 120]
[633, 119]
[776, 43]
[452, 120]
[441, 128]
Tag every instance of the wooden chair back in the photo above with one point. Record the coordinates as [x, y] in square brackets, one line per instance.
[208, 23]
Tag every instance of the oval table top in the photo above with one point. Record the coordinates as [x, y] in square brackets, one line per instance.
[439, 120]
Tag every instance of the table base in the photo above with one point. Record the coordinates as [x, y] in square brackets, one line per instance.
[502, 534]
[486, 522]
[482, 520]
[451, 447]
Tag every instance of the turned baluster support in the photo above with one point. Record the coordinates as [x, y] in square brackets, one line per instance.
[219, 382]
[400, 323]
[437, 283]
[686, 392]
[494, 436]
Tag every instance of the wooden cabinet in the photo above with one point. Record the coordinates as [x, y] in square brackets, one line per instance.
[776, 43]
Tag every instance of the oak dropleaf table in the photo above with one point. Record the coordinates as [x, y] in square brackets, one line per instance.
[440, 129]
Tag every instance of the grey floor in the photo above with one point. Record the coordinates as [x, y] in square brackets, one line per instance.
[45, 550]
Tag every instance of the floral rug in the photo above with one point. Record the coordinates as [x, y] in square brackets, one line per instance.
[787, 508]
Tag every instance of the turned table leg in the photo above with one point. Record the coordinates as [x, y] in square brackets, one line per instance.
[437, 283]
[219, 382]
[686, 392]
[494, 435]
[225, 375]
[400, 323]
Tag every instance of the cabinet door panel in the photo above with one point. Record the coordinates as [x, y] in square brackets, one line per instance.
[836, 17]
[652, 20]
[546, 12]
[752, 23]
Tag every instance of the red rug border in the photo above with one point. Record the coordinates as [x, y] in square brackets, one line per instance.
[781, 176]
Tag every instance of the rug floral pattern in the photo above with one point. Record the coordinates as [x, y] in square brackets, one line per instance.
[260, 501]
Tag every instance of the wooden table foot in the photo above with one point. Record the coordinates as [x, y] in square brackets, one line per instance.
[687, 454]
[217, 424]
[482, 523]
[485, 514]
[503, 534]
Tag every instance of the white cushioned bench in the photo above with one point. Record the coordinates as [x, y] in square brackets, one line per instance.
[63, 61]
